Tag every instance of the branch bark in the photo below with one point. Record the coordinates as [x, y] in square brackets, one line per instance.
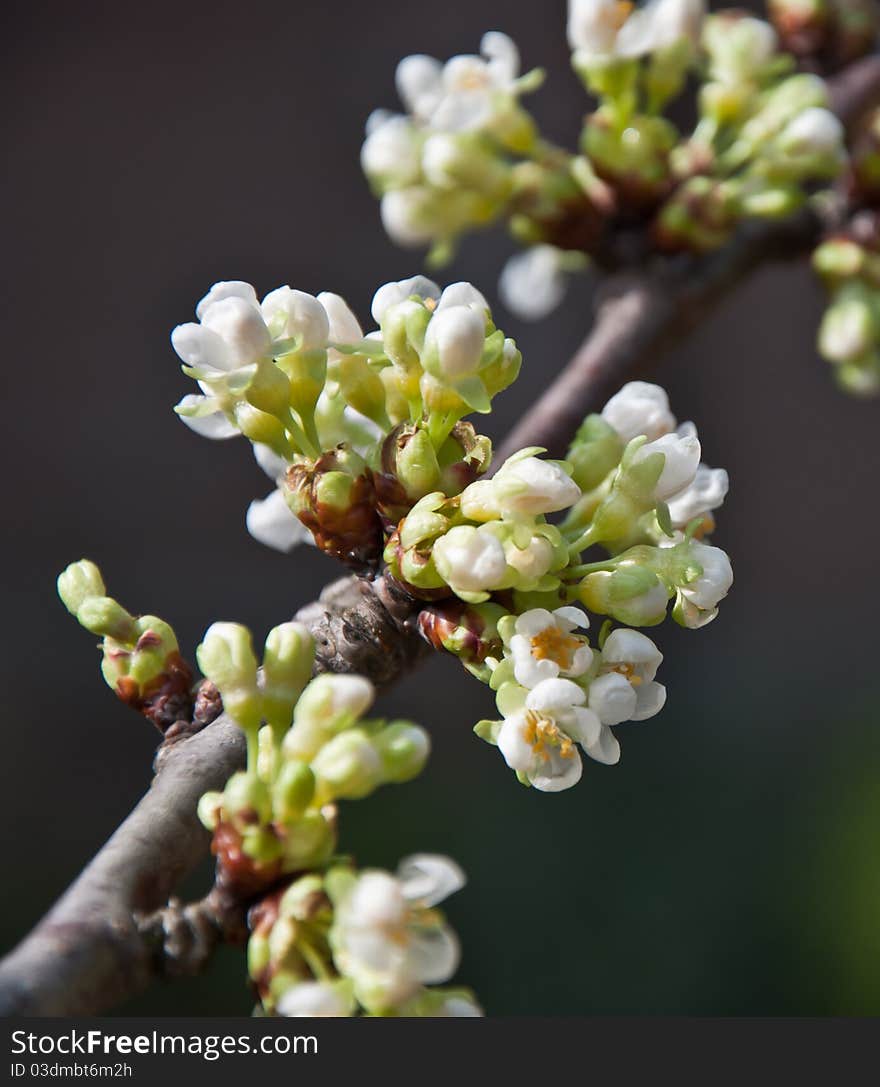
[112, 932]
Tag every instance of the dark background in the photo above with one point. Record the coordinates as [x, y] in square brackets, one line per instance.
[729, 864]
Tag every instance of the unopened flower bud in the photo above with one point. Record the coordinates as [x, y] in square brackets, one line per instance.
[287, 666]
[328, 705]
[78, 582]
[103, 615]
[631, 594]
[347, 767]
[292, 790]
[246, 800]
[226, 657]
[403, 748]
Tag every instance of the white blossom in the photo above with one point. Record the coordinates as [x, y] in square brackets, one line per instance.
[407, 215]
[388, 940]
[539, 740]
[470, 560]
[463, 294]
[682, 458]
[814, 131]
[624, 688]
[639, 408]
[610, 28]
[291, 314]
[390, 154]
[698, 601]
[460, 95]
[391, 294]
[704, 494]
[317, 999]
[454, 342]
[533, 283]
[270, 522]
[544, 647]
[524, 486]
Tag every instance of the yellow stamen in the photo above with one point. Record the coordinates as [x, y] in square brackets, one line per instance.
[628, 671]
[430, 304]
[541, 734]
[555, 645]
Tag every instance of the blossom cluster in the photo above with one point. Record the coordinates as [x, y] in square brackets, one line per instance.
[308, 747]
[634, 486]
[344, 942]
[848, 263]
[352, 428]
[465, 153]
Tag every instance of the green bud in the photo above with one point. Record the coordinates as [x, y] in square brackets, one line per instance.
[403, 748]
[261, 844]
[303, 898]
[78, 582]
[839, 258]
[307, 373]
[309, 844]
[595, 451]
[292, 791]
[269, 389]
[261, 427]
[328, 705]
[631, 594]
[347, 767]
[287, 665]
[258, 956]
[103, 615]
[209, 809]
[362, 388]
[247, 801]
[226, 657]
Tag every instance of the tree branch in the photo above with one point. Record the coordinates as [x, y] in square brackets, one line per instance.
[113, 930]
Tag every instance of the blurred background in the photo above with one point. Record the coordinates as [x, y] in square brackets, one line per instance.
[729, 864]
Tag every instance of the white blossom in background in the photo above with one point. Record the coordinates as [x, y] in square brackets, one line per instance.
[601, 29]
[386, 937]
[463, 94]
[317, 999]
[545, 647]
[539, 740]
[533, 283]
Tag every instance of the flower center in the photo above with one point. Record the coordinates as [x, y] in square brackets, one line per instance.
[628, 671]
[430, 304]
[555, 645]
[619, 13]
[543, 735]
[472, 80]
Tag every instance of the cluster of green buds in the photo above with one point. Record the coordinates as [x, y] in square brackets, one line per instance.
[141, 659]
[848, 263]
[343, 942]
[826, 33]
[308, 746]
[765, 136]
[466, 154]
[353, 429]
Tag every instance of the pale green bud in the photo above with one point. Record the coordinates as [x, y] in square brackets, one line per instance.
[307, 371]
[246, 800]
[310, 842]
[261, 427]
[839, 258]
[455, 159]
[103, 615]
[287, 665]
[403, 748]
[347, 767]
[403, 327]
[416, 466]
[226, 657]
[631, 594]
[261, 844]
[595, 451]
[209, 809]
[292, 791]
[362, 387]
[264, 386]
[78, 582]
[303, 897]
[782, 104]
[849, 328]
[329, 704]
[258, 957]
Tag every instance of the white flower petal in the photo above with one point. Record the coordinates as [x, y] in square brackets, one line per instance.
[270, 522]
[557, 774]
[532, 283]
[569, 618]
[639, 408]
[433, 954]
[419, 83]
[463, 294]
[606, 749]
[555, 695]
[502, 55]
[290, 313]
[512, 744]
[428, 878]
[230, 288]
[201, 348]
[390, 294]
[241, 327]
[613, 698]
[315, 999]
[344, 326]
[273, 465]
[213, 425]
[650, 700]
